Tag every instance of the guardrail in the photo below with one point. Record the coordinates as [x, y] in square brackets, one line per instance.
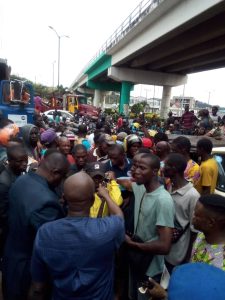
[144, 8]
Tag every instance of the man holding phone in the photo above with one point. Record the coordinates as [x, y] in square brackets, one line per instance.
[97, 172]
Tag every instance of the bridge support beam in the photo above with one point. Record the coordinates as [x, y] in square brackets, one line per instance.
[146, 77]
[125, 97]
[165, 103]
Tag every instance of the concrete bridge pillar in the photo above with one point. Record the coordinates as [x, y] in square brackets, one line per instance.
[165, 104]
[97, 98]
[125, 97]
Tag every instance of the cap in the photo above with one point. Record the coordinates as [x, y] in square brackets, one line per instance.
[213, 200]
[147, 143]
[108, 138]
[70, 135]
[96, 168]
[121, 135]
[196, 281]
[48, 136]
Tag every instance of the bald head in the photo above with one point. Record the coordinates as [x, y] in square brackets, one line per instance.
[79, 192]
[64, 145]
[54, 160]
[162, 149]
[53, 167]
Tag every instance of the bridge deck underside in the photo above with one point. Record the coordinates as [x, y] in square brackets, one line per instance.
[191, 48]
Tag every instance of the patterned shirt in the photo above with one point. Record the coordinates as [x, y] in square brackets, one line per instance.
[192, 172]
[209, 254]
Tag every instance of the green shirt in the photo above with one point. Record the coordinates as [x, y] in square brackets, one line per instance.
[157, 209]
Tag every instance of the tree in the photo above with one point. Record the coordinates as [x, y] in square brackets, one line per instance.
[138, 107]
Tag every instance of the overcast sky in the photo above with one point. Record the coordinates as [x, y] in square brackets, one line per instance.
[31, 47]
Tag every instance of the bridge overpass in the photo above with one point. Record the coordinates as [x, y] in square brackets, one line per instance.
[159, 43]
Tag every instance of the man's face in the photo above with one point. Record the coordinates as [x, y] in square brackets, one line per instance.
[169, 170]
[160, 149]
[103, 148]
[19, 163]
[98, 179]
[56, 176]
[186, 108]
[133, 167]
[64, 147]
[34, 135]
[134, 148]
[200, 220]
[143, 172]
[214, 111]
[116, 158]
[81, 158]
[176, 149]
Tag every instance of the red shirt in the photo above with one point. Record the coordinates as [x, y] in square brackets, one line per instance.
[119, 122]
[187, 120]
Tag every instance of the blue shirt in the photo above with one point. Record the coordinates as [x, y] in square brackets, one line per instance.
[125, 172]
[78, 253]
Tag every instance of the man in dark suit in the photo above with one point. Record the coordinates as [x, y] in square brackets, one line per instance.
[33, 202]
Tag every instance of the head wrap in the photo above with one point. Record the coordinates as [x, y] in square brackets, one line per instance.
[48, 136]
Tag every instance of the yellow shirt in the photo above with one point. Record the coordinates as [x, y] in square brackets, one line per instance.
[114, 193]
[208, 175]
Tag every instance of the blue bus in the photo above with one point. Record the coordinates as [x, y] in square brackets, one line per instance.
[16, 99]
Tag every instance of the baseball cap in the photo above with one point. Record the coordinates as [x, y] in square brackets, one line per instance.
[96, 168]
[195, 281]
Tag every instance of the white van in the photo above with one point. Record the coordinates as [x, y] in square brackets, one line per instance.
[219, 155]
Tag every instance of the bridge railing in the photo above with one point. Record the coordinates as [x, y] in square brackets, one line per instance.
[144, 8]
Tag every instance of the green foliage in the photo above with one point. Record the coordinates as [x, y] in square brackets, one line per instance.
[40, 89]
[138, 107]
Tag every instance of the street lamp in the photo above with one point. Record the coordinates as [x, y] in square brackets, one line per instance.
[53, 75]
[59, 39]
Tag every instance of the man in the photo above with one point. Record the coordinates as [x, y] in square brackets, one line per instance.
[124, 127]
[82, 136]
[162, 150]
[185, 198]
[49, 140]
[153, 217]
[209, 219]
[97, 171]
[65, 148]
[32, 203]
[170, 120]
[17, 164]
[30, 135]
[208, 168]
[88, 244]
[80, 156]
[214, 117]
[118, 162]
[120, 121]
[182, 145]
[100, 153]
[187, 121]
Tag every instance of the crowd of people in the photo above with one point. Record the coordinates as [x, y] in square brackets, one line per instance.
[206, 123]
[103, 209]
